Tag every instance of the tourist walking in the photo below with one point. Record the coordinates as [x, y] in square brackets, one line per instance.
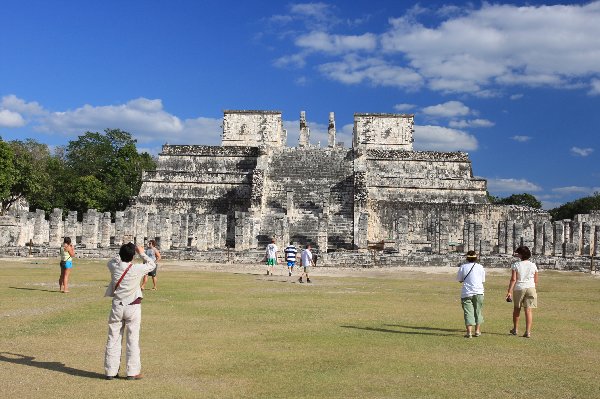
[67, 252]
[307, 261]
[472, 276]
[522, 289]
[271, 255]
[290, 256]
[126, 311]
[154, 254]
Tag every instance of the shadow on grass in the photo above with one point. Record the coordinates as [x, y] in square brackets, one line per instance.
[418, 330]
[34, 289]
[24, 360]
[389, 330]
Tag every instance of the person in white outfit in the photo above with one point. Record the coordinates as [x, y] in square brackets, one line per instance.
[523, 281]
[126, 311]
[472, 277]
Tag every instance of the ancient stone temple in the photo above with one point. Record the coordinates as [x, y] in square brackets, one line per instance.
[379, 194]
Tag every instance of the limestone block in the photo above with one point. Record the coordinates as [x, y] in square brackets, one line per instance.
[56, 227]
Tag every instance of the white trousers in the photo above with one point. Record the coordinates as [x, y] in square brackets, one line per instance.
[123, 317]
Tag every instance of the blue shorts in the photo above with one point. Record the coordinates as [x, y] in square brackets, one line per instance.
[291, 263]
[68, 264]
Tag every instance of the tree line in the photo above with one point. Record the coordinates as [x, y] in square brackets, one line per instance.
[97, 170]
[565, 211]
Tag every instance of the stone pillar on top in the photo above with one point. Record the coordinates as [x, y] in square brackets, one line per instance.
[331, 131]
[304, 140]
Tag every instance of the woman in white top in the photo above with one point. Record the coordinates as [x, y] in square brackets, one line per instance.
[523, 281]
[472, 277]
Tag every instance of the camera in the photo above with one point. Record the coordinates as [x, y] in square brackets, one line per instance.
[509, 299]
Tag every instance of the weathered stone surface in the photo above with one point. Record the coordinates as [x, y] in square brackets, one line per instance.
[378, 196]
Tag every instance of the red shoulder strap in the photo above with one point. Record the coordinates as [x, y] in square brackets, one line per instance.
[121, 279]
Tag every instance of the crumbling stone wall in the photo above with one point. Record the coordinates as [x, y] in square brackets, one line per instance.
[377, 196]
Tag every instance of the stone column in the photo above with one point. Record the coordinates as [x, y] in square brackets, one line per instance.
[56, 226]
[71, 225]
[477, 229]
[239, 230]
[141, 225]
[105, 230]
[164, 232]
[40, 228]
[184, 231]
[222, 231]
[201, 233]
[538, 238]
[586, 241]
[89, 237]
[518, 234]
[119, 228]
[559, 229]
[548, 245]
[193, 230]
[510, 234]
[502, 237]
[176, 230]
[597, 241]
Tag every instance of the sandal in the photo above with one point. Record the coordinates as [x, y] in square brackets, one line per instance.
[468, 335]
[513, 331]
[527, 335]
[477, 334]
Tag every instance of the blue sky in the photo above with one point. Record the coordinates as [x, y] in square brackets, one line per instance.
[514, 84]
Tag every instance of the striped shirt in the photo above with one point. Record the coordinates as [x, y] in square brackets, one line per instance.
[290, 253]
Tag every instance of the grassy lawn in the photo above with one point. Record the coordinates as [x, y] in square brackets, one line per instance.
[244, 335]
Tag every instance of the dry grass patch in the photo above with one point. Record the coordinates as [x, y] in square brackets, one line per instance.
[232, 335]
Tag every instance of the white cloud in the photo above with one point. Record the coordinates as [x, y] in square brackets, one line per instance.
[11, 119]
[511, 186]
[15, 104]
[582, 152]
[576, 190]
[448, 109]
[336, 44]
[521, 139]
[516, 96]
[293, 60]
[353, 69]
[404, 107]
[438, 138]
[145, 119]
[140, 116]
[595, 87]
[467, 50]
[461, 124]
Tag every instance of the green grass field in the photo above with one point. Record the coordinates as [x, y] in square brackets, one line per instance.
[245, 335]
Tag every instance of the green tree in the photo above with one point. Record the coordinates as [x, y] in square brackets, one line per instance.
[579, 206]
[112, 160]
[524, 199]
[7, 174]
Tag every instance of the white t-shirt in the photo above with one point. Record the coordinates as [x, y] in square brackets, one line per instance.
[473, 284]
[272, 251]
[307, 257]
[526, 271]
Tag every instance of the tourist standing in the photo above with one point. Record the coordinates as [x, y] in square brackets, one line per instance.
[522, 289]
[290, 256]
[271, 255]
[126, 311]
[154, 254]
[472, 276]
[67, 251]
[307, 261]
